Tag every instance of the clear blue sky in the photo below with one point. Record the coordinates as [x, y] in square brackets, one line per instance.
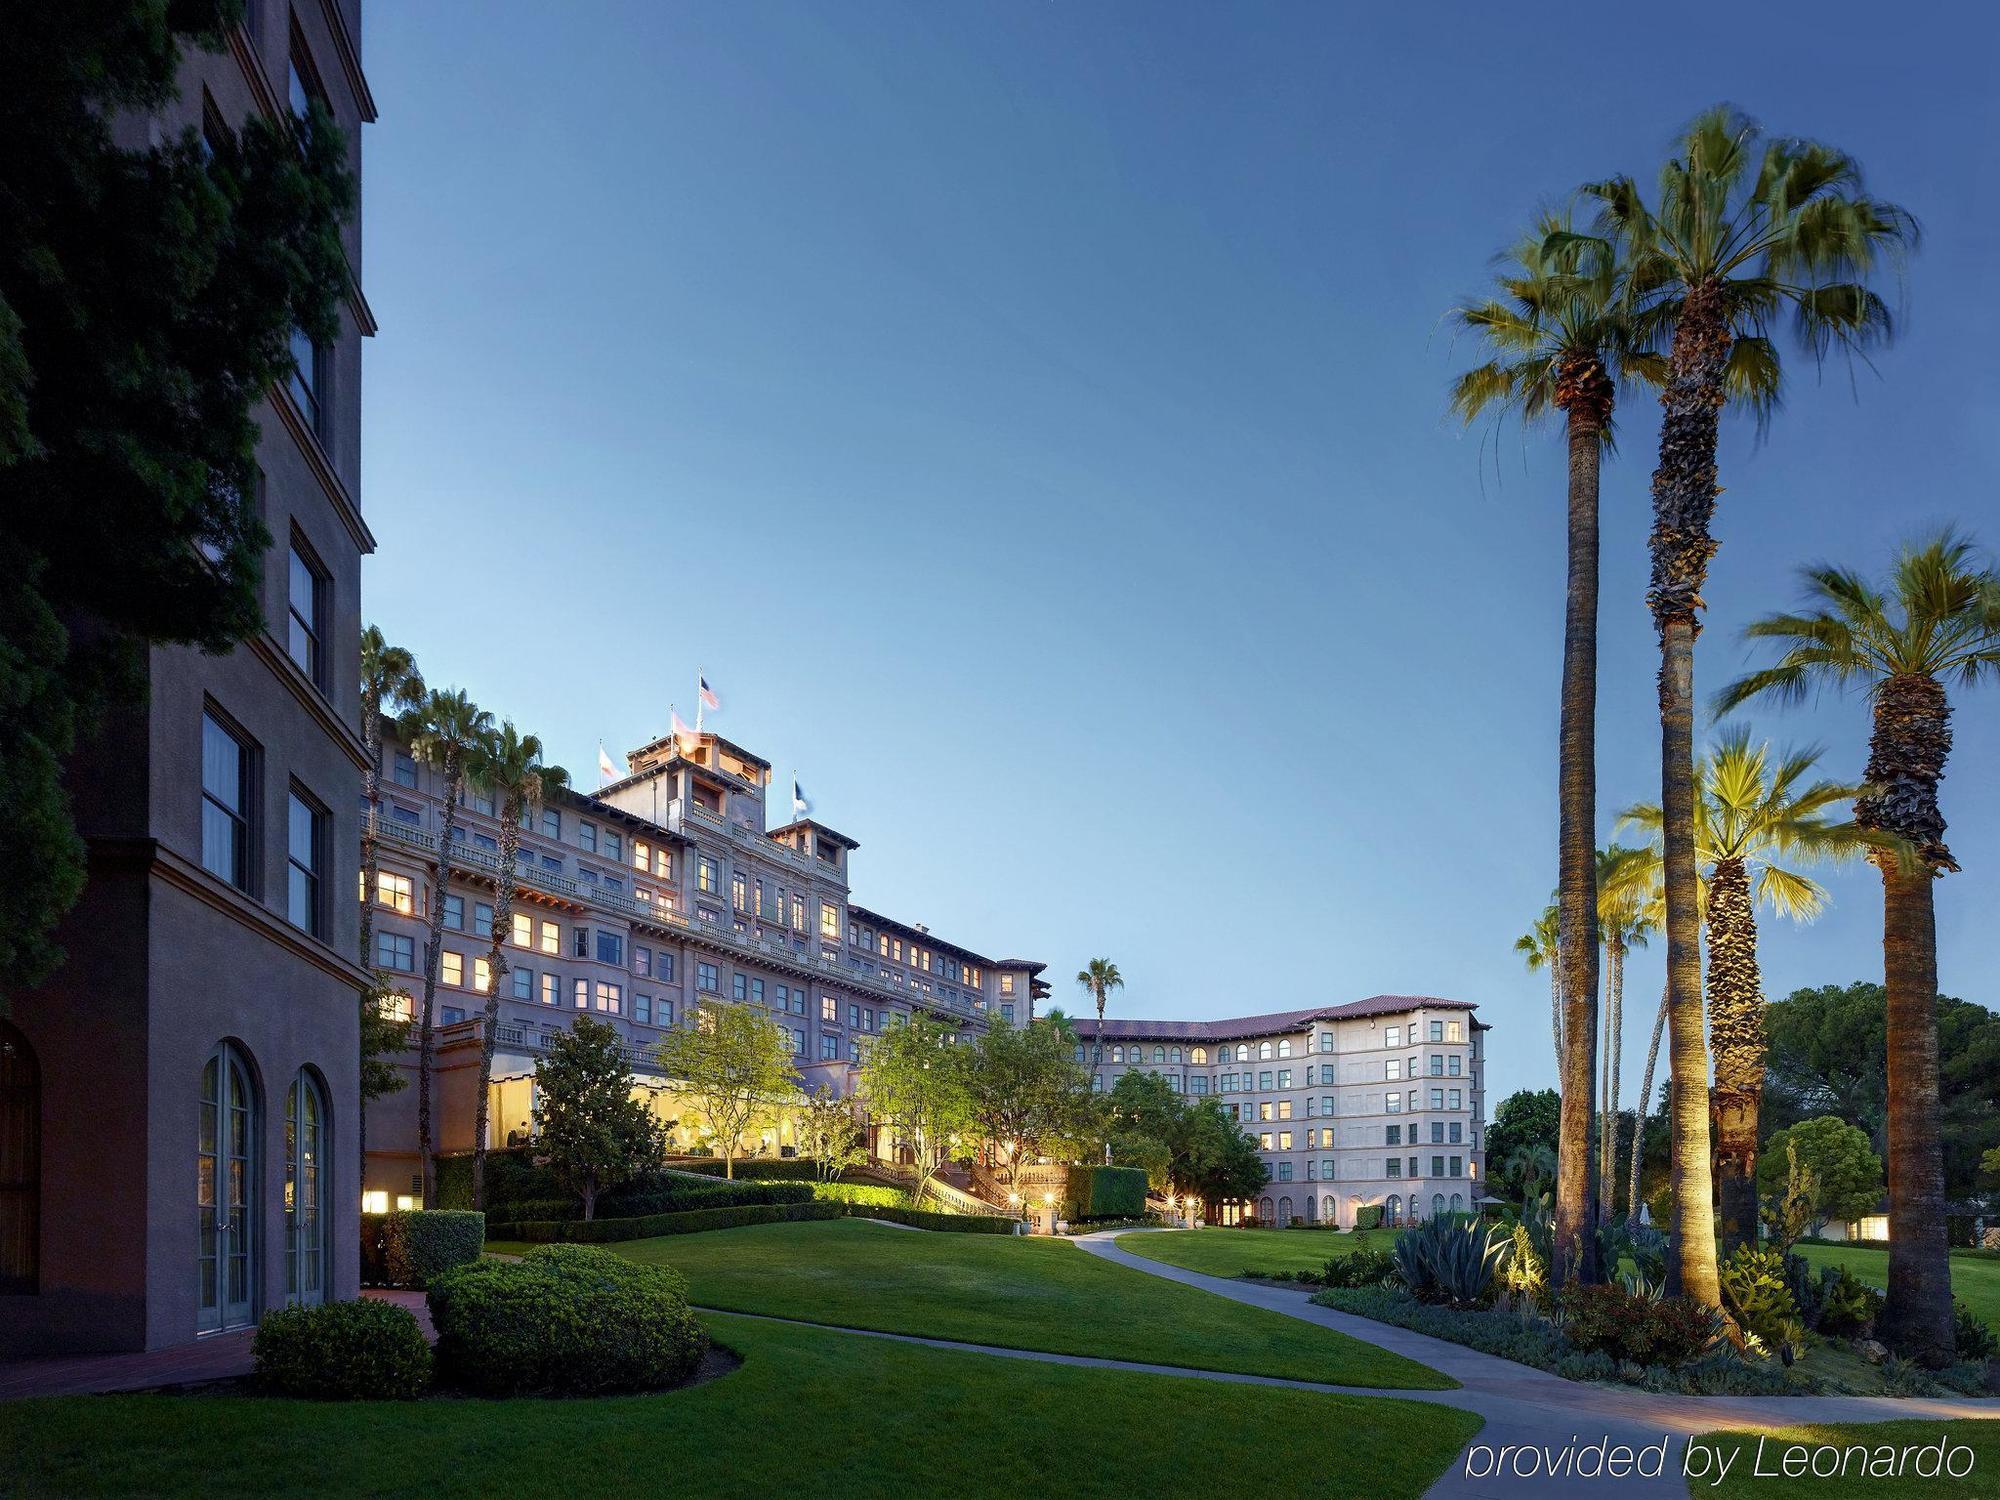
[1031, 416]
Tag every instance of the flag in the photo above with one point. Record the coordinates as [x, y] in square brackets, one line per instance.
[605, 769]
[683, 736]
[800, 807]
[708, 699]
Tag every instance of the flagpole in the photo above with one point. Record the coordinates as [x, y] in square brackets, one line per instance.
[697, 700]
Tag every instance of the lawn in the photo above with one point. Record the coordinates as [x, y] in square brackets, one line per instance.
[1743, 1483]
[828, 1412]
[1252, 1252]
[1975, 1280]
[1020, 1293]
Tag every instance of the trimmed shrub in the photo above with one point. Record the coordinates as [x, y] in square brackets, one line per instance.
[864, 1193]
[1359, 1268]
[411, 1245]
[1368, 1216]
[918, 1218]
[757, 1168]
[564, 1320]
[1104, 1193]
[342, 1351]
[1611, 1320]
[647, 1226]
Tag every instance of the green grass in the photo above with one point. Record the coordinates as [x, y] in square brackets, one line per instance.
[1252, 1252]
[1019, 1293]
[1975, 1281]
[827, 1412]
[1983, 1438]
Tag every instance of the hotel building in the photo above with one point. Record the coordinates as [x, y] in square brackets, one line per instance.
[663, 889]
[177, 1128]
[1378, 1102]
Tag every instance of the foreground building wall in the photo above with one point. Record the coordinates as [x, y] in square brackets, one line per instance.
[1376, 1103]
[180, 1098]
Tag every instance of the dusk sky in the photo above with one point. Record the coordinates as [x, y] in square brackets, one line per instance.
[1031, 417]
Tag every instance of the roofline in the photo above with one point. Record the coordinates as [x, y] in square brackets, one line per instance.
[909, 929]
[1278, 1022]
[813, 823]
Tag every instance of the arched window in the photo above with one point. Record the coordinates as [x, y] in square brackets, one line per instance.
[1175, 1055]
[226, 1193]
[1328, 1211]
[1159, 1054]
[1458, 1203]
[1392, 1211]
[1284, 1049]
[1264, 1212]
[20, 1163]
[1264, 1051]
[1437, 1204]
[1200, 1055]
[308, 1168]
[1079, 1052]
[1284, 1212]
[1118, 1054]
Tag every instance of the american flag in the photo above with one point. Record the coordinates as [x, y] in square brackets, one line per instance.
[708, 699]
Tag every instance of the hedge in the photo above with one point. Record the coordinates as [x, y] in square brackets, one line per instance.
[1105, 1193]
[944, 1223]
[860, 1193]
[342, 1351]
[757, 1168]
[511, 1175]
[666, 1196]
[1368, 1216]
[564, 1320]
[411, 1245]
[700, 1220]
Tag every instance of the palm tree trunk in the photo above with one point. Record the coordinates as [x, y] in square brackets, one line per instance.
[1684, 491]
[1908, 747]
[371, 864]
[496, 970]
[1736, 1030]
[1099, 1051]
[1613, 1027]
[1639, 1113]
[1556, 1009]
[1576, 842]
[433, 956]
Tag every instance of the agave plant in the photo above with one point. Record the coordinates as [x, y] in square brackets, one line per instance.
[1450, 1261]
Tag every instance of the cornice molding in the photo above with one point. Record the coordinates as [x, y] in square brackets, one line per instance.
[315, 455]
[350, 60]
[265, 646]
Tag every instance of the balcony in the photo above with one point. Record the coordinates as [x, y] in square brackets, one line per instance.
[519, 1037]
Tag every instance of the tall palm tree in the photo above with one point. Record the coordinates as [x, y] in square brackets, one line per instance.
[1623, 923]
[1100, 977]
[1752, 809]
[1937, 624]
[1541, 946]
[390, 683]
[509, 766]
[1737, 236]
[445, 730]
[1562, 341]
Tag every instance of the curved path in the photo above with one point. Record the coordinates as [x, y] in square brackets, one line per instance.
[1526, 1406]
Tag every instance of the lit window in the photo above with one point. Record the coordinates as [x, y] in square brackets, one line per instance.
[829, 920]
[551, 938]
[482, 976]
[523, 930]
[452, 968]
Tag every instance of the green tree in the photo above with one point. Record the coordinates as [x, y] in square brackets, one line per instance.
[733, 1064]
[509, 765]
[1099, 978]
[1526, 1117]
[390, 686]
[914, 1079]
[385, 1032]
[1562, 340]
[1027, 1090]
[147, 298]
[1752, 810]
[1541, 947]
[1218, 1162]
[593, 1131]
[1846, 1172]
[1735, 236]
[446, 731]
[827, 1133]
[1937, 623]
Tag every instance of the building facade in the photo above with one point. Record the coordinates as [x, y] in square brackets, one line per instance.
[176, 1106]
[1379, 1103]
[662, 890]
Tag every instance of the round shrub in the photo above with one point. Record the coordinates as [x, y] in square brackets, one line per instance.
[1622, 1325]
[1361, 1267]
[342, 1351]
[564, 1320]
[410, 1246]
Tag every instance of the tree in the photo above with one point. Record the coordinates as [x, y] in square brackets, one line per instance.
[733, 1065]
[1624, 920]
[828, 1133]
[1099, 978]
[914, 1079]
[390, 686]
[1218, 1161]
[1527, 1117]
[1846, 1173]
[385, 1032]
[1027, 1090]
[509, 765]
[147, 298]
[447, 731]
[594, 1132]
[1541, 947]
[1936, 623]
[1735, 238]
[1751, 810]
[1563, 341]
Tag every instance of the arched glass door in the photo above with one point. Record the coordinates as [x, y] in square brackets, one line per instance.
[226, 1193]
[306, 1160]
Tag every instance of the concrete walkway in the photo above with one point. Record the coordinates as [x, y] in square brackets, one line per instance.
[1523, 1406]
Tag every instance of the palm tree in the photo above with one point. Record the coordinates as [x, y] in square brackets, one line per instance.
[1623, 923]
[1738, 237]
[1752, 809]
[1937, 624]
[509, 765]
[1541, 946]
[1563, 342]
[389, 684]
[1100, 977]
[448, 731]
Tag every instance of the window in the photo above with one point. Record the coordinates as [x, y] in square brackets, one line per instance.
[1263, 1079]
[739, 891]
[225, 803]
[663, 1014]
[1437, 1132]
[1264, 1140]
[452, 968]
[1394, 1166]
[521, 930]
[829, 1011]
[579, 943]
[1199, 1083]
[227, 1201]
[552, 826]
[1392, 1135]
[1437, 1031]
[306, 608]
[1284, 1140]
[1393, 1069]
[305, 849]
[642, 1007]
[610, 948]
[1394, 1103]
[551, 938]
[798, 912]
[1326, 1041]
[610, 997]
[1326, 1075]
[1198, 1055]
[1392, 1036]
[308, 379]
[454, 913]
[482, 919]
[551, 989]
[739, 986]
[829, 1047]
[708, 877]
[1007, 1013]
[482, 975]
[1437, 1098]
[614, 843]
[1454, 1031]
[1264, 1110]
[1284, 1049]
[663, 968]
[523, 982]
[1457, 1136]
[586, 836]
[395, 950]
[708, 977]
[642, 960]
[1006, 984]
[1263, 1051]
[580, 990]
[1454, 1099]
[308, 1237]
[1437, 1065]
[1437, 1166]
[1284, 1078]
[1452, 1064]
[829, 920]
[1284, 1109]
[1285, 1169]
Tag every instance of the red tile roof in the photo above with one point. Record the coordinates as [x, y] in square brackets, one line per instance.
[1085, 1021]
